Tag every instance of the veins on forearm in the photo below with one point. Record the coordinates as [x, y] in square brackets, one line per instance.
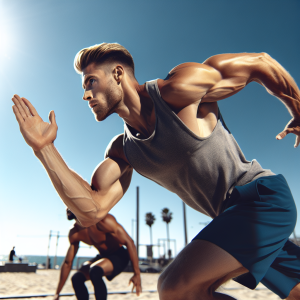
[73, 190]
[278, 82]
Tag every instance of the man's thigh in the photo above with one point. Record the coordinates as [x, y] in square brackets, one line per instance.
[200, 265]
[105, 264]
[295, 293]
[283, 276]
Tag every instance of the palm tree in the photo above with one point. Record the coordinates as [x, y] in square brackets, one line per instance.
[167, 217]
[150, 218]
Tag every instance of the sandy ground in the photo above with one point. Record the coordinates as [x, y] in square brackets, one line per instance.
[45, 281]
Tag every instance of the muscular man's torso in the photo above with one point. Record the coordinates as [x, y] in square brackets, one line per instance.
[199, 169]
[200, 118]
[100, 236]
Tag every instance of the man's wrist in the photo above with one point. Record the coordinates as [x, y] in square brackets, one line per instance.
[41, 150]
[137, 272]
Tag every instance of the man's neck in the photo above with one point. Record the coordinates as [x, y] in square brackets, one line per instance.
[138, 108]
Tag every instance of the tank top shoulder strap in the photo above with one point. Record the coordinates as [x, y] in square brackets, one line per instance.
[222, 121]
[154, 93]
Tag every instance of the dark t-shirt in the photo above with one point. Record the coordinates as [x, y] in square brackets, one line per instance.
[11, 254]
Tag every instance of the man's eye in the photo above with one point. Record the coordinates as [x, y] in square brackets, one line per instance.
[92, 81]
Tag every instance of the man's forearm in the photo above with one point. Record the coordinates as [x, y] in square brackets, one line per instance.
[73, 190]
[64, 273]
[133, 257]
[279, 83]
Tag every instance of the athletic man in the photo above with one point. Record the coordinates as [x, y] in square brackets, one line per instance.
[108, 237]
[175, 135]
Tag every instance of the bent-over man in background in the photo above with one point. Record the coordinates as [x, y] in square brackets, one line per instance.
[108, 237]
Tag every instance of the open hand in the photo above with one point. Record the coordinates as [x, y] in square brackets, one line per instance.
[136, 281]
[292, 127]
[35, 131]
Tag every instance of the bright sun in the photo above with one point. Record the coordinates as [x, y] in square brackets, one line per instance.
[7, 36]
[5, 42]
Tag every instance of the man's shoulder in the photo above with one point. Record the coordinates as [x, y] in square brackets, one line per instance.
[75, 232]
[115, 148]
[115, 143]
[107, 224]
[187, 83]
[109, 219]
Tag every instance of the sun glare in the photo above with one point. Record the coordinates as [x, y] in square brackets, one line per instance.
[6, 33]
[5, 44]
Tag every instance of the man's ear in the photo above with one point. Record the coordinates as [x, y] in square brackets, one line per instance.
[118, 73]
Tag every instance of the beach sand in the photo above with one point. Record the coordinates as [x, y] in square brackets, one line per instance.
[45, 282]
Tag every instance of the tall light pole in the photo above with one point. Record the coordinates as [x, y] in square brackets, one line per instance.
[184, 225]
[55, 257]
[47, 261]
[132, 228]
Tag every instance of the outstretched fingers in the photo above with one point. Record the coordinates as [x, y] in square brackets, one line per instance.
[138, 290]
[297, 142]
[135, 285]
[295, 130]
[22, 108]
[18, 115]
[30, 107]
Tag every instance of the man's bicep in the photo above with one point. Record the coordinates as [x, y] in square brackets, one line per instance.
[108, 172]
[110, 181]
[71, 253]
[121, 235]
[187, 84]
[236, 72]
[234, 64]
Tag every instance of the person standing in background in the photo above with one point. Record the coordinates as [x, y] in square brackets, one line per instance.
[12, 254]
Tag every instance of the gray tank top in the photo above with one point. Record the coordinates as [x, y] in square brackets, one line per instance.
[201, 171]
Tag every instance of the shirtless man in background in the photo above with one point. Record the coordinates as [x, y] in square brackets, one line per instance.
[175, 135]
[108, 237]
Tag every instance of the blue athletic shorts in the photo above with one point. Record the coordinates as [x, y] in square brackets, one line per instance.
[254, 227]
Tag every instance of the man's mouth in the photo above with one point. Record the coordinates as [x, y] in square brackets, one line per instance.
[92, 104]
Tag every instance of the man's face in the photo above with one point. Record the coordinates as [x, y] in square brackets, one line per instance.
[101, 90]
[70, 215]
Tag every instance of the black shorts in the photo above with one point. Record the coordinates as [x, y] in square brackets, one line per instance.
[119, 259]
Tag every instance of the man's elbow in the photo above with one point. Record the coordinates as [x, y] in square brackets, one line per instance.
[129, 242]
[259, 57]
[68, 263]
[265, 55]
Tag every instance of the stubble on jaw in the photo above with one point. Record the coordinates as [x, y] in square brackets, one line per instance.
[113, 96]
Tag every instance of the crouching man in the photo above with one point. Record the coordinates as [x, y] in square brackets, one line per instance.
[108, 237]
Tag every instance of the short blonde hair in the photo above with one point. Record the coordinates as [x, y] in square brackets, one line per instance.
[105, 52]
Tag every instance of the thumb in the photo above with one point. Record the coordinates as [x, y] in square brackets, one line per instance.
[297, 141]
[52, 117]
[282, 134]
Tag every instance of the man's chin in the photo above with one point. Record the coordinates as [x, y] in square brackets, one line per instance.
[100, 118]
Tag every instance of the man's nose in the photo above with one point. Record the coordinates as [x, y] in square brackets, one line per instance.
[87, 95]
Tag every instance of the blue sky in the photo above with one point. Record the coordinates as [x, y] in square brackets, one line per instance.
[39, 40]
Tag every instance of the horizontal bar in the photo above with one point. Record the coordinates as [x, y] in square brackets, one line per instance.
[67, 294]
